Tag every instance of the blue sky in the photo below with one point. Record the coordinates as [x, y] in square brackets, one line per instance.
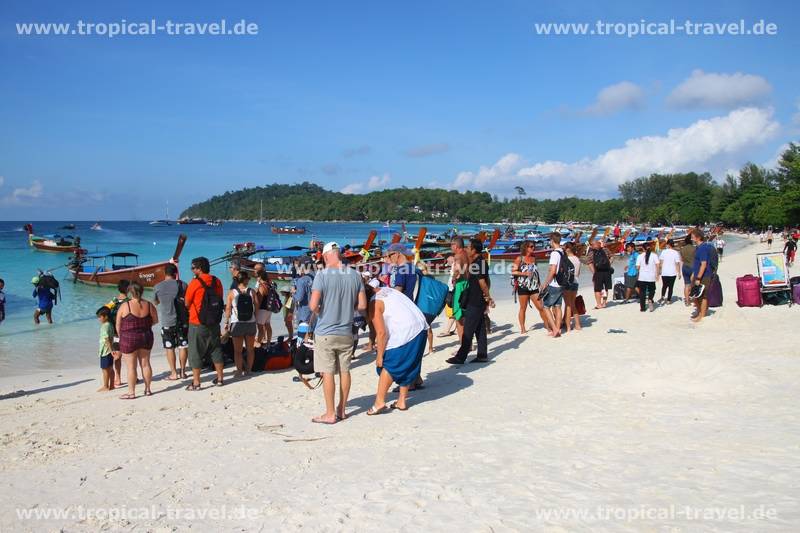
[362, 95]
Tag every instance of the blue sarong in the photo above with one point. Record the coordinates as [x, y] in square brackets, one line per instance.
[405, 362]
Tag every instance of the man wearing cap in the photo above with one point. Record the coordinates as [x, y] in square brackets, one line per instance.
[336, 292]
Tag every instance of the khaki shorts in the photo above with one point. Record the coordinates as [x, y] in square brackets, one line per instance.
[333, 353]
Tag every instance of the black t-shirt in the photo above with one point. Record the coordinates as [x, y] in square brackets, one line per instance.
[477, 270]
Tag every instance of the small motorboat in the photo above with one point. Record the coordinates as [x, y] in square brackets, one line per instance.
[96, 227]
[68, 226]
[289, 230]
[160, 223]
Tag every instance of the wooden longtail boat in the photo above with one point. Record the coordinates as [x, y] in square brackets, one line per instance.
[110, 269]
[289, 230]
[53, 243]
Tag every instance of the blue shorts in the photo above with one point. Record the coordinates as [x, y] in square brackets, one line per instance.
[106, 361]
[553, 297]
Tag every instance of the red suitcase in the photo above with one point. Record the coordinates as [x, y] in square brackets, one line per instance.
[748, 291]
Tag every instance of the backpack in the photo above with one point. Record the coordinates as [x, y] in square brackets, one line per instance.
[565, 275]
[431, 294]
[244, 306]
[179, 303]
[274, 303]
[113, 307]
[49, 282]
[212, 305]
[601, 262]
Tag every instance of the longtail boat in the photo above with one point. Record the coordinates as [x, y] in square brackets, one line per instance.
[53, 243]
[109, 269]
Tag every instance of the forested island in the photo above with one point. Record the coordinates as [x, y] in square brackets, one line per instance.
[756, 197]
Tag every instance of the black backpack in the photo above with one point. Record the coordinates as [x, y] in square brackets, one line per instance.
[244, 305]
[601, 262]
[212, 306]
[565, 275]
[179, 303]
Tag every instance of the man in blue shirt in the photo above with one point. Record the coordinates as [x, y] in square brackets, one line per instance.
[704, 267]
[403, 275]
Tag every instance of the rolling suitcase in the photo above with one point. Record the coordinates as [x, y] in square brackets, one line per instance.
[748, 291]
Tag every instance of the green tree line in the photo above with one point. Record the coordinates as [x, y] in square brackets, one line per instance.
[756, 197]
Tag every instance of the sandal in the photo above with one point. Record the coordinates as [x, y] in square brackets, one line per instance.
[192, 387]
[394, 406]
[217, 382]
[148, 393]
[443, 335]
[128, 396]
[381, 410]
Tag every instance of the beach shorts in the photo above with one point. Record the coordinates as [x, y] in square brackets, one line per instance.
[572, 287]
[204, 344]
[526, 292]
[602, 280]
[106, 361]
[448, 311]
[460, 287]
[175, 337]
[553, 297]
[720, 251]
[630, 281]
[687, 275]
[429, 318]
[263, 316]
[243, 329]
[333, 353]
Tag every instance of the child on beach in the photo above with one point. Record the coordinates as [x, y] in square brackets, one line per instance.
[106, 351]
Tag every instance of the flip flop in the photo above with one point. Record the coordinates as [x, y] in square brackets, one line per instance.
[168, 378]
[127, 397]
[217, 382]
[192, 387]
[380, 411]
[394, 406]
[148, 393]
[318, 420]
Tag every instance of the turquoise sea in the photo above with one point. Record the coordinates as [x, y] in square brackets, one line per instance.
[71, 341]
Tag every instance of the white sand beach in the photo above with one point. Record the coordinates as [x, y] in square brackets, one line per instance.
[641, 422]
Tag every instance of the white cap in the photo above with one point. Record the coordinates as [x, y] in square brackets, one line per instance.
[330, 247]
[374, 283]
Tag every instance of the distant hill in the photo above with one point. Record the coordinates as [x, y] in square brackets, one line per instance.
[757, 197]
[307, 201]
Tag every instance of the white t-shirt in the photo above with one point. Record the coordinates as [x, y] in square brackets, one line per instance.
[719, 243]
[669, 262]
[577, 264]
[555, 259]
[647, 271]
[403, 319]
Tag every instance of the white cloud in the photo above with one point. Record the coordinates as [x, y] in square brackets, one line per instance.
[21, 196]
[699, 147]
[372, 184]
[617, 97]
[713, 90]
